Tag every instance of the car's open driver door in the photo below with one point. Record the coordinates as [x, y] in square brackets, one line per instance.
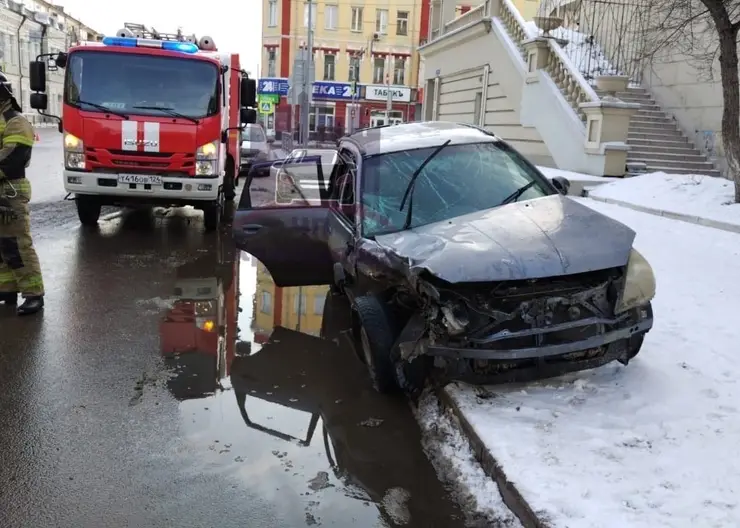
[283, 220]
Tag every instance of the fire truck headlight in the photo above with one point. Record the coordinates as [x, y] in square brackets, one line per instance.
[74, 160]
[205, 168]
[209, 151]
[72, 143]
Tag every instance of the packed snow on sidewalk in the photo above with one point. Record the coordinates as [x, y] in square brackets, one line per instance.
[653, 444]
[692, 194]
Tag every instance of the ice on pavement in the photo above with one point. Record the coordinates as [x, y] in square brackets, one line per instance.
[692, 194]
[653, 444]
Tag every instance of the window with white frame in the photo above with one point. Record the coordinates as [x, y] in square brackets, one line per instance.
[299, 303]
[381, 21]
[379, 70]
[306, 6]
[356, 24]
[272, 11]
[318, 304]
[399, 70]
[330, 62]
[271, 62]
[331, 13]
[321, 117]
[266, 302]
[354, 69]
[402, 23]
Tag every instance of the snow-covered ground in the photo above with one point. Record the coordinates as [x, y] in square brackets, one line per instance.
[691, 194]
[653, 444]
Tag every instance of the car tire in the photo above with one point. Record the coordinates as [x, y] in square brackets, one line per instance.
[376, 340]
[88, 210]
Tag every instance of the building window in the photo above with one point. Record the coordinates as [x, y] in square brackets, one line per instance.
[402, 23]
[272, 13]
[399, 70]
[381, 21]
[321, 117]
[318, 304]
[329, 66]
[271, 62]
[356, 19]
[330, 16]
[299, 303]
[379, 70]
[266, 304]
[354, 69]
[313, 15]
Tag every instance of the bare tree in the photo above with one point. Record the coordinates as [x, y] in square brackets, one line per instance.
[704, 32]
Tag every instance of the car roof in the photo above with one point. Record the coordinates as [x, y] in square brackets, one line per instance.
[424, 134]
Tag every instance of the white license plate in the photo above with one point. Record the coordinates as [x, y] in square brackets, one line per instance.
[140, 179]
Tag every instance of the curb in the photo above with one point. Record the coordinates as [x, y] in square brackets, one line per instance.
[697, 220]
[511, 496]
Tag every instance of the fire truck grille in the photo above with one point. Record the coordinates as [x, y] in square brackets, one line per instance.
[113, 160]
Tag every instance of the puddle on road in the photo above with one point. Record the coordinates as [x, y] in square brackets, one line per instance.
[272, 396]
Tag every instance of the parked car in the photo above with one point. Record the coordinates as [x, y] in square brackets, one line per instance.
[255, 146]
[460, 259]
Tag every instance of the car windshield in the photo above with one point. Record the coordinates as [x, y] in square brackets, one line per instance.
[460, 179]
[124, 81]
[254, 134]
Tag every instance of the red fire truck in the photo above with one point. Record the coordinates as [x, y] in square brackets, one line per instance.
[149, 119]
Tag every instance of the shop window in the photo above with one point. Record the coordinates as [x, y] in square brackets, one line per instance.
[321, 117]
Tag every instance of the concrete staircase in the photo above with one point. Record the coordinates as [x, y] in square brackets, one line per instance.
[657, 143]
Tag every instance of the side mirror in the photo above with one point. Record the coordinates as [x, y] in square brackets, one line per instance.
[561, 184]
[39, 101]
[248, 115]
[61, 60]
[249, 92]
[37, 77]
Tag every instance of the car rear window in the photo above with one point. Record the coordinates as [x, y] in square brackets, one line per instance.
[254, 134]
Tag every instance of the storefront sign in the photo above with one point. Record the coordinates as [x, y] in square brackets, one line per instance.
[379, 92]
[273, 85]
[268, 98]
[332, 90]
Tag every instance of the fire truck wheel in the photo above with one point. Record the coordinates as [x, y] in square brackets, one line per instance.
[88, 210]
[212, 216]
[230, 180]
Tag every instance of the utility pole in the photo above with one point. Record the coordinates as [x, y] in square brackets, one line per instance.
[307, 88]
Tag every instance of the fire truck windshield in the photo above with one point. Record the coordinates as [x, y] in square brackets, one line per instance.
[142, 84]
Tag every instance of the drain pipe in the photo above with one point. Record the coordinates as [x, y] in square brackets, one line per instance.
[20, 60]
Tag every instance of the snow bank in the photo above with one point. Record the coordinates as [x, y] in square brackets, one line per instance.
[573, 176]
[650, 445]
[690, 194]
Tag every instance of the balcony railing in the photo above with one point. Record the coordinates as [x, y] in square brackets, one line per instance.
[475, 14]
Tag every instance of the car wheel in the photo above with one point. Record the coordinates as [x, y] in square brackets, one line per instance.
[88, 210]
[376, 341]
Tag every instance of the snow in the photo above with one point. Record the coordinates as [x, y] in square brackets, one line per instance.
[653, 444]
[455, 464]
[573, 176]
[589, 59]
[691, 194]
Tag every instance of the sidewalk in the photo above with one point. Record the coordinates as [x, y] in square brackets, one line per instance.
[652, 444]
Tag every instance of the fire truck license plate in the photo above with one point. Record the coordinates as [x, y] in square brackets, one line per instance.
[140, 179]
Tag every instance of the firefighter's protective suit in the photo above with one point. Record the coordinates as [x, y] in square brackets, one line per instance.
[20, 272]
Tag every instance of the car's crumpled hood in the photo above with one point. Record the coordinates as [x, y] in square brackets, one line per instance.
[544, 237]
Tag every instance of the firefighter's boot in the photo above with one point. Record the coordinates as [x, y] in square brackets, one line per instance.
[9, 298]
[31, 305]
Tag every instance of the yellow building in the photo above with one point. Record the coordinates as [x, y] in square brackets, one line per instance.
[371, 43]
[295, 308]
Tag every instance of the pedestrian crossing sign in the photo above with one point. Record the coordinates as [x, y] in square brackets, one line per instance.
[266, 107]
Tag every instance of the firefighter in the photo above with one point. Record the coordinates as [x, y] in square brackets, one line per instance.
[20, 272]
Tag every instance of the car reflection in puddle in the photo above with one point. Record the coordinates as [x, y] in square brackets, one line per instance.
[370, 443]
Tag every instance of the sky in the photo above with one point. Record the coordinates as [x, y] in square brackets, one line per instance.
[235, 26]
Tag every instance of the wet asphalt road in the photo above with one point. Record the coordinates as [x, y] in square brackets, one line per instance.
[154, 392]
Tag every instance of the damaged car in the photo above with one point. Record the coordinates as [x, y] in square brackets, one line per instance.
[460, 259]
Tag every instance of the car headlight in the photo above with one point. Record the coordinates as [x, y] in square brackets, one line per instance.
[639, 284]
[206, 159]
[74, 153]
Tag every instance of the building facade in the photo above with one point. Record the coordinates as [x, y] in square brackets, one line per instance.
[362, 51]
[28, 30]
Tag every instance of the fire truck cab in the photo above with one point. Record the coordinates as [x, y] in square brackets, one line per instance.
[149, 119]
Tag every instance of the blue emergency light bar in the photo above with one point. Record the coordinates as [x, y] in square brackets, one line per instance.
[131, 42]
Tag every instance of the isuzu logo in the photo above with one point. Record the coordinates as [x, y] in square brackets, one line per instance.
[141, 142]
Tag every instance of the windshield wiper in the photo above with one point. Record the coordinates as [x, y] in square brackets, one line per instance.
[168, 111]
[513, 197]
[412, 184]
[103, 108]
